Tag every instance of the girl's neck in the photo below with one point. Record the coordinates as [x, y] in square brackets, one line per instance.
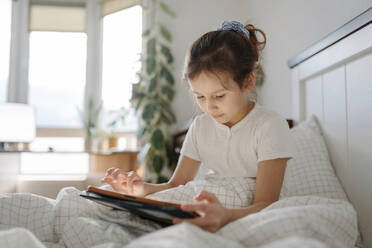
[245, 111]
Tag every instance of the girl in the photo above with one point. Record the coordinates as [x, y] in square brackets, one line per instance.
[234, 137]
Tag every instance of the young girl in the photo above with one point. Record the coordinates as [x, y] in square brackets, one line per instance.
[234, 137]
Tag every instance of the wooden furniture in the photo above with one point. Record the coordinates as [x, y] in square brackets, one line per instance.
[334, 83]
[100, 162]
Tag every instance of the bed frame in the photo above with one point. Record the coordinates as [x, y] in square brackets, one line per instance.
[333, 80]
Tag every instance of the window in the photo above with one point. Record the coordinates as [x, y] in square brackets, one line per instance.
[57, 78]
[5, 25]
[122, 44]
[57, 87]
[57, 72]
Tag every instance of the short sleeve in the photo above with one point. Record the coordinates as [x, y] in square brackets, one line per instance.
[274, 140]
[190, 144]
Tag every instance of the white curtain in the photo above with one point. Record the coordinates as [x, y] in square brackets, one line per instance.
[111, 6]
[57, 18]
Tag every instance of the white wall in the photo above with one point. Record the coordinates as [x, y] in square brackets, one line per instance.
[290, 26]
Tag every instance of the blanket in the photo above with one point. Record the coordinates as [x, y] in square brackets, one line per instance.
[28, 220]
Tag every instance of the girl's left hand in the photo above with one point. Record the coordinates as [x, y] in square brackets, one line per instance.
[214, 214]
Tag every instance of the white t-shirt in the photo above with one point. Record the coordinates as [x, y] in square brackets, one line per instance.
[236, 151]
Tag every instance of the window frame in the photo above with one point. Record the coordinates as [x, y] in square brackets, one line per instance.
[18, 85]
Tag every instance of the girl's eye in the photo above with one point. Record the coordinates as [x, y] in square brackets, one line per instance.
[220, 96]
[200, 97]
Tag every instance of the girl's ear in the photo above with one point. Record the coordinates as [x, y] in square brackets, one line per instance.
[249, 82]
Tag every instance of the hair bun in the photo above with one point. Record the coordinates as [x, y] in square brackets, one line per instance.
[260, 45]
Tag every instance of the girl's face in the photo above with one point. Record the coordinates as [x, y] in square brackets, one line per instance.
[221, 97]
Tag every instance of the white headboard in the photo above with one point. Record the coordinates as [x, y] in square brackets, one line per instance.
[335, 84]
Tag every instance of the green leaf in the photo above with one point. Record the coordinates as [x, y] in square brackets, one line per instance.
[150, 65]
[166, 119]
[167, 53]
[157, 139]
[168, 92]
[141, 131]
[165, 73]
[165, 33]
[153, 84]
[169, 116]
[151, 47]
[139, 102]
[149, 160]
[149, 112]
[162, 179]
[260, 76]
[146, 33]
[166, 9]
[157, 163]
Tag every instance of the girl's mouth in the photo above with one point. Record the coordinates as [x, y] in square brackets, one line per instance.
[217, 116]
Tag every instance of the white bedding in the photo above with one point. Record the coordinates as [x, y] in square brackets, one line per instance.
[313, 211]
[28, 220]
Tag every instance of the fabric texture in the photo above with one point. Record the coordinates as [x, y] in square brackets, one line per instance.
[313, 211]
[234, 192]
[76, 222]
[310, 172]
[236, 151]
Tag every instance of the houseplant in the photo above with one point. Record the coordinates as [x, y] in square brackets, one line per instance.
[152, 97]
[89, 118]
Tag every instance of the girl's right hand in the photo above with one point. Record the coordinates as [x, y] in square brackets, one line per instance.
[126, 182]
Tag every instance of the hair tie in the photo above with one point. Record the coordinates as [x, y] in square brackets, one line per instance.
[234, 26]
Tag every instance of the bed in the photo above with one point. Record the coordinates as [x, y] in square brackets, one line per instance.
[332, 92]
[333, 81]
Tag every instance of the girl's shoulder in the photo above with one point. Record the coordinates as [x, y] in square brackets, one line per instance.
[264, 116]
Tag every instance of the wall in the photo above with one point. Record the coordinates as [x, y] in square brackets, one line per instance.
[290, 26]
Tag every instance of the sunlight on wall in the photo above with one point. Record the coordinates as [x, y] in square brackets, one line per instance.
[5, 19]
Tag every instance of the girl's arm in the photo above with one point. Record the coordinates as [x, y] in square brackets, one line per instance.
[186, 171]
[131, 183]
[269, 181]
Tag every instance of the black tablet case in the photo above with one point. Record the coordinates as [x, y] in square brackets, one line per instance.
[161, 214]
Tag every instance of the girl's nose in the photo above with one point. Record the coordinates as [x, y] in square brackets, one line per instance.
[211, 105]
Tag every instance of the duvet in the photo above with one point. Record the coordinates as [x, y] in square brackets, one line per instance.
[28, 220]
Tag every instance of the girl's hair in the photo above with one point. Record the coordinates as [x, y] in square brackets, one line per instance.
[225, 51]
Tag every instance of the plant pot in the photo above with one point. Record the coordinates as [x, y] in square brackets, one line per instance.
[113, 142]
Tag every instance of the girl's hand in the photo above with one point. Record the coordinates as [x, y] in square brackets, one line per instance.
[126, 182]
[213, 217]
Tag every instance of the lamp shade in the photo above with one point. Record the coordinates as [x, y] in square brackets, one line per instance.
[17, 123]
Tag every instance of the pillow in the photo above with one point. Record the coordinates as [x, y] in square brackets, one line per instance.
[310, 172]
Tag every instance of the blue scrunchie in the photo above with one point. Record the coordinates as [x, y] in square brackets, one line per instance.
[235, 26]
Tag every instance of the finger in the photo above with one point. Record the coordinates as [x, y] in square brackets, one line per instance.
[198, 221]
[107, 176]
[118, 174]
[132, 178]
[211, 228]
[177, 220]
[106, 180]
[195, 207]
[205, 195]
[109, 171]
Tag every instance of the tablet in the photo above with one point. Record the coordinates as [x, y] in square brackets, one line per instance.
[158, 211]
